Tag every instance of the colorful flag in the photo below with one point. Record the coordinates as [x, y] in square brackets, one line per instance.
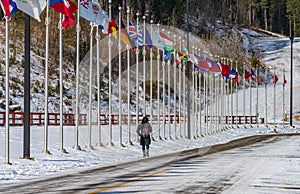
[94, 13]
[202, 63]
[9, 7]
[225, 69]
[213, 65]
[183, 55]
[67, 8]
[133, 34]
[33, 8]
[284, 80]
[112, 27]
[167, 41]
[124, 35]
[275, 79]
[148, 38]
[247, 75]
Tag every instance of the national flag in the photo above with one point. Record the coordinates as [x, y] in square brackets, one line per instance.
[213, 65]
[148, 38]
[67, 8]
[93, 12]
[247, 75]
[275, 79]
[33, 8]
[124, 35]
[233, 74]
[167, 55]
[112, 27]
[183, 55]
[133, 35]
[253, 77]
[9, 7]
[167, 41]
[177, 58]
[284, 80]
[202, 63]
[225, 70]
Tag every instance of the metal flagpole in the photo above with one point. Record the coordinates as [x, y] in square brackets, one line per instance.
[179, 93]
[184, 98]
[144, 65]
[128, 84]
[283, 98]
[158, 90]
[231, 95]
[61, 149]
[7, 92]
[151, 77]
[45, 150]
[164, 105]
[120, 80]
[274, 99]
[90, 113]
[110, 143]
[244, 100]
[76, 146]
[192, 97]
[256, 77]
[266, 108]
[169, 96]
[99, 144]
[237, 97]
[175, 91]
[137, 76]
[250, 93]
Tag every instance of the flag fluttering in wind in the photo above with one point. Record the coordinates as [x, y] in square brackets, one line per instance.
[225, 69]
[284, 80]
[9, 7]
[33, 8]
[133, 35]
[67, 8]
[93, 12]
[124, 35]
[148, 38]
[202, 63]
[275, 79]
[213, 66]
[247, 75]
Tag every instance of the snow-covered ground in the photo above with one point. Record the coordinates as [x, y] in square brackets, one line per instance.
[58, 162]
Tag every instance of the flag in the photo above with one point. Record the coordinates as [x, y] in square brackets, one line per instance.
[253, 77]
[124, 35]
[167, 41]
[167, 55]
[247, 75]
[183, 56]
[9, 7]
[33, 8]
[133, 35]
[284, 80]
[93, 12]
[148, 38]
[67, 8]
[225, 69]
[112, 27]
[275, 79]
[202, 63]
[233, 74]
[213, 65]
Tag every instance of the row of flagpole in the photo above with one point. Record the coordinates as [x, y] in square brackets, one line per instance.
[215, 89]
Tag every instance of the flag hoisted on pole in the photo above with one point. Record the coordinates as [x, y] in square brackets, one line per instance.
[67, 8]
[33, 8]
[275, 79]
[9, 8]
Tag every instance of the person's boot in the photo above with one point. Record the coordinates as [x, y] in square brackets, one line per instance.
[147, 153]
[144, 153]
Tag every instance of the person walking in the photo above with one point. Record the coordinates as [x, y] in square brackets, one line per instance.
[144, 130]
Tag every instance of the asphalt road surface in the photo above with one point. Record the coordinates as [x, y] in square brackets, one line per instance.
[257, 164]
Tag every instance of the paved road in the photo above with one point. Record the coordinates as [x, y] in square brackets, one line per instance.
[258, 164]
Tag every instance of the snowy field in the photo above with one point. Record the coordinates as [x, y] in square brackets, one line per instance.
[57, 162]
